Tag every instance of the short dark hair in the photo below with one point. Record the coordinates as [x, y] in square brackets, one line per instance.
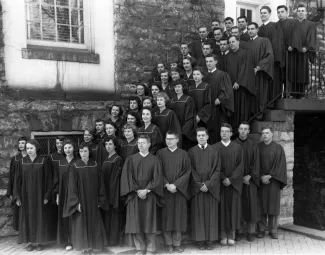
[86, 145]
[244, 123]
[215, 20]
[252, 23]
[157, 84]
[148, 109]
[132, 127]
[180, 82]
[119, 107]
[265, 7]
[100, 120]
[236, 37]
[91, 131]
[68, 141]
[147, 98]
[173, 133]
[184, 43]
[145, 137]
[224, 38]
[114, 140]
[202, 129]
[135, 115]
[217, 28]
[207, 43]
[202, 27]
[35, 143]
[61, 139]
[212, 56]
[226, 125]
[302, 5]
[229, 18]
[267, 127]
[22, 138]
[138, 100]
[242, 17]
[192, 61]
[282, 6]
[200, 69]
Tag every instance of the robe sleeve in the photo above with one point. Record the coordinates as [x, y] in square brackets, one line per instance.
[254, 170]
[196, 182]
[17, 181]
[236, 178]
[56, 180]
[156, 184]
[213, 184]
[128, 184]
[205, 113]
[189, 125]
[157, 141]
[226, 96]
[72, 200]
[278, 170]
[11, 176]
[102, 196]
[48, 169]
[182, 181]
[246, 76]
[267, 58]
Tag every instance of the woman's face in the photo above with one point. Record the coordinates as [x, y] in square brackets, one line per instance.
[31, 150]
[110, 129]
[175, 75]
[22, 145]
[147, 103]
[140, 90]
[128, 133]
[178, 89]
[154, 90]
[84, 153]
[68, 149]
[161, 101]
[134, 105]
[197, 76]
[87, 136]
[131, 120]
[146, 116]
[115, 111]
[110, 147]
[59, 145]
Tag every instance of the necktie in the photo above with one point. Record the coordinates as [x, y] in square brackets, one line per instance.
[202, 147]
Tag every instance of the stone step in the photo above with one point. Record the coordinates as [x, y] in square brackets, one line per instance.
[121, 250]
[257, 126]
[275, 115]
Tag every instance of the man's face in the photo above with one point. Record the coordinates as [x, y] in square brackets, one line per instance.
[233, 44]
[203, 32]
[154, 90]
[171, 141]
[211, 63]
[224, 45]
[225, 134]
[243, 131]
[282, 14]
[267, 135]
[302, 12]
[242, 24]
[265, 15]
[202, 137]
[109, 146]
[187, 64]
[229, 24]
[160, 67]
[143, 145]
[206, 50]
[252, 31]
[214, 24]
[184, 49]
[235, 32]
[217, 35]
[134, 105]
[99, 127]
[164, 77]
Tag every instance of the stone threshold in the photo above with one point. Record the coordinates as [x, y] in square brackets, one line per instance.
[309, 232]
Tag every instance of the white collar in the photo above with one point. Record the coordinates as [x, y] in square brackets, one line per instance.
[173, 149]
[244, 31]
[267, 22]
[144, 155]
[226, 144]
[226, 52]
[254, 37]
[212, 70]
[205, 146]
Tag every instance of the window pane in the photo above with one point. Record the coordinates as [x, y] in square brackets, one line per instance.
[48, 14]
[63, 33]
[74, 3]
[62, 15]
[34, 30]
[75, 34]
[249, 15]
[49, 31]
[74, 17]
[242, 12]
[62, 2]
[34, 12]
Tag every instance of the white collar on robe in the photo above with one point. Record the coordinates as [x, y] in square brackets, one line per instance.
[244, 31]
[212, 70]
[267, 22]
[226, 144]
[254, 37]
[144, 155]
[205, 146]
[171, 149]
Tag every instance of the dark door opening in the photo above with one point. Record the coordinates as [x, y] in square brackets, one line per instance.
[309, 170]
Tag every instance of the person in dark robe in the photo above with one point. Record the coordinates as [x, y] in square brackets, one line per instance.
[176, 168]
[88, 137]
[184, 107]
[217, 33]
[165, 118]
[273, 175]
[188, 65]
[177, 73]
[155, 89]
[241, 72]
[261, 56]
[229, 23]
[142, 189]
[223, 58]
[222, 97]
[155, 74]
[200, 92]
[242, 24]
[185, 51]
[214, 24]
[111, 175]
[60, 188]
[274, 33]
[207, 50]
[251, 183]
[116, 112]
[166, 84]
[11, 179]
[196, 46]
[129, 143]
[142, 90]
[85, 195]
[100, 131]
[33, 194]
[231, 176]
[302, 44]
[204, 191]
[134, 106]
[151, 130]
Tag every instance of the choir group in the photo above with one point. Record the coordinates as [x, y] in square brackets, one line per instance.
[171, 155]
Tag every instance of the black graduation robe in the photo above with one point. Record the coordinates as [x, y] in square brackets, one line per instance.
[156, 138]
[53, 166]
[222, 61]
[111, 176]
[142, 173]
[127, 149]
[33, 184]
[184, 107]
[272, 162]
[232, 167]
[85, 188]
[245, 37]
[303, 35]
[169, 90]
[189, 79]
[221, 88]
[241, 71]
[202, 98]
[10, 189]
[60, 188]
[250, 193]
[167, 121]
[216, 48]
[176, 169]
[260, 53]
[205, 169]
[196, 47]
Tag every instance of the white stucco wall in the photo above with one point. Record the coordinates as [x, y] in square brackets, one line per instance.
[36, 74]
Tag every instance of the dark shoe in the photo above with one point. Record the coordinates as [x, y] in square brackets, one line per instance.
[85, 251]
[250, 237]
[260, 234]
[170, 249]
[178, 249]
[208, 246]
[201, 246]
[39, 247]
[274, 235]
[29, 247]
[238, 237]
